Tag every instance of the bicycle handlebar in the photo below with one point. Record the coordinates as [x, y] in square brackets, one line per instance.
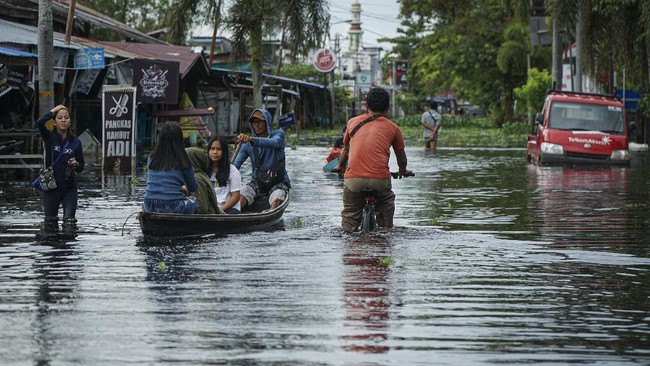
[396, 175]
[393, 174]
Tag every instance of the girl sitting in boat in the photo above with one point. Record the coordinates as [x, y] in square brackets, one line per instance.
[170, 178]
[207, 200]
[225, 178]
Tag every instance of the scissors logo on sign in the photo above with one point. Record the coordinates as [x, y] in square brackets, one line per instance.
[120, 106]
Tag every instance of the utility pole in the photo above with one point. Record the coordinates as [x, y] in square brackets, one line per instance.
[579, 33]
[70, 21]
[45, 57]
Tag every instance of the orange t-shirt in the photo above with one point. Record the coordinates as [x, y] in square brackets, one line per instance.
[369, 151]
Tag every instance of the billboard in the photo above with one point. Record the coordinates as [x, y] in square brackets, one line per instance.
[118, 129]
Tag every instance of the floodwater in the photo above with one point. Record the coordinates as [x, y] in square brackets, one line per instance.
[493, 261]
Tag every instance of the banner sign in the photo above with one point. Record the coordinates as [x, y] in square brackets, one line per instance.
[60, 63]
[85, 81]
[401, 73]
[287, 120]
[157, 81]
[118, 130]
[89, 58]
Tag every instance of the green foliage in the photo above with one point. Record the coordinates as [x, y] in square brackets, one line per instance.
[144, 15]
[301, 72]
[385, 261]
[533, 93]
[408, 102]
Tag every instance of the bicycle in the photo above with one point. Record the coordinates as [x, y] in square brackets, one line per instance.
[368, 216]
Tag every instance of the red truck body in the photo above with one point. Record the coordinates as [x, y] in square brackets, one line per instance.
[579, 128]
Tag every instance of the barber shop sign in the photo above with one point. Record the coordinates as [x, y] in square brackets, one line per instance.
[157, 81]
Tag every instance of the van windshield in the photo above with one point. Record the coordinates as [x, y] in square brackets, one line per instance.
[587, 117]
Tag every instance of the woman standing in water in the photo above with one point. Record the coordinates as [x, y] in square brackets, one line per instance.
[63, 148]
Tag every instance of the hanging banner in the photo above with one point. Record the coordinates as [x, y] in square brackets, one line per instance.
[85, 81]
[60, 63]
[157, 81]
[89, 58]
[118, 129]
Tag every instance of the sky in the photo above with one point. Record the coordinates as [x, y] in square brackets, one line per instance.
[378, 20]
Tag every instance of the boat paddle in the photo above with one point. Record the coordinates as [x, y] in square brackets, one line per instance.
[234, 155]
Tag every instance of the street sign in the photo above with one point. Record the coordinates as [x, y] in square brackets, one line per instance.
[89, 58]
[401, 73]
[324, 60]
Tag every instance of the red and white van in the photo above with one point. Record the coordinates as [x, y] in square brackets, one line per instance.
[579, 128]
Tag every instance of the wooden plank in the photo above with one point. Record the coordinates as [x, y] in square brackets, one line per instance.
[22, 156]
[21, 166]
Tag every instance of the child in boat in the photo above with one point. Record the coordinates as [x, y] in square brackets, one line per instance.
[171, 185]
[207, 199]
[335, 152]
[225, 178]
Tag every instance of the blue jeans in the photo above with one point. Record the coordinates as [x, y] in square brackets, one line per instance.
[182, 206]
[60, 197]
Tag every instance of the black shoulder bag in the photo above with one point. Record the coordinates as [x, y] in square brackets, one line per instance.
[266, 179]
[369, 119]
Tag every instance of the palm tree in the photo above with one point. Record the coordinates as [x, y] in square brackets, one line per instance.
[302, 22]
[564, 15]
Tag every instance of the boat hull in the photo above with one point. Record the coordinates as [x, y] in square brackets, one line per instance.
[162, 225]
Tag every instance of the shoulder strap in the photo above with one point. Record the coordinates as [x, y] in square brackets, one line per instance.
[258, 163]
[369, 119]
[433, 117]
[58, 157]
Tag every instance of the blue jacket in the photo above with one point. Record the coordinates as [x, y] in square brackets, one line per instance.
[53, 145]
[270, 149]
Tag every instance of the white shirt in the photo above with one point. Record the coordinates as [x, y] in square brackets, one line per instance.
[430, 118]
[232, 185]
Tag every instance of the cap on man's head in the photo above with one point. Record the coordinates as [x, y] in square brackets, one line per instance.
[257, 115]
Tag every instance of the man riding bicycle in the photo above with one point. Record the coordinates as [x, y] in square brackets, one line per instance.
[366, 151]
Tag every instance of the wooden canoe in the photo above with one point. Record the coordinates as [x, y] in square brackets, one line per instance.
[162, 225]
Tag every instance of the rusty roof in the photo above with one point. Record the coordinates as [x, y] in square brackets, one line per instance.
[181, 54]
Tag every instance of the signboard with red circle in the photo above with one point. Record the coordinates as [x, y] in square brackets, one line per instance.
[324, 60]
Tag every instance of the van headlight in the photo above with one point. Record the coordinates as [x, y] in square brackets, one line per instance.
[554, 149]
[620, 155]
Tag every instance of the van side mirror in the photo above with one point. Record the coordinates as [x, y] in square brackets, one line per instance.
[539, 118]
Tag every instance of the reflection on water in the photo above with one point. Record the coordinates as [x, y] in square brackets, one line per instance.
[493, 261]
[366, 296]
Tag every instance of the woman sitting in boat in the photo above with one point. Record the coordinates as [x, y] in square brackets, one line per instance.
[225, 178]
[207, 200]
[170, 178]
[265, 147]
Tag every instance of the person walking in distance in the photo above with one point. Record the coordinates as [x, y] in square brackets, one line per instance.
[431, 122]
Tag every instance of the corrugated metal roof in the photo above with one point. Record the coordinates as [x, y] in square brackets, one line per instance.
[21, 34]
[26, 35]
[5, 51]
[273, 77]
[181, 54]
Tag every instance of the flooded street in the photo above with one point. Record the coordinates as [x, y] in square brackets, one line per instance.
[492, 261]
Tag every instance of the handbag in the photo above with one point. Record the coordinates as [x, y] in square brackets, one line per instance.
[45, 180]
[266, 179]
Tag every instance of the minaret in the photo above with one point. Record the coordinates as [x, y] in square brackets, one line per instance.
[355, 31]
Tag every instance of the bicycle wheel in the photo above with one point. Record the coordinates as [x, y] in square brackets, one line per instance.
[368, 220]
